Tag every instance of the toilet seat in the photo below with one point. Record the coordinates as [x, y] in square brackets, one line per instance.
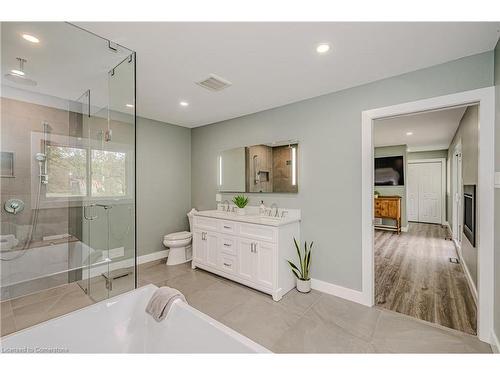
[184, 235]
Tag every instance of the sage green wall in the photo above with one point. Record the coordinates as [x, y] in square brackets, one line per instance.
[328, 128]
[163, 182]
[394, 190]
[497, 192]
[467, 133]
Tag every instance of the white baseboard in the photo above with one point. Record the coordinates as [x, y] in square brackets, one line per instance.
[338, 291]
[151, 257]
[404, 229]
[495, 344]
[467, 272]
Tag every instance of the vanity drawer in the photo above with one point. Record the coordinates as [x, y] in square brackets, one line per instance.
[227, 263]
[205, 222]
[228, 245]
[227, 226]
[260, 232]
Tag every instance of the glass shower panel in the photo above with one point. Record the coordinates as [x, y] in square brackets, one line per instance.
[114, 173]
[68, 164]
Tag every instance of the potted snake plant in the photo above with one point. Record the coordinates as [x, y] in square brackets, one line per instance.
[240, 201]
[301, 271]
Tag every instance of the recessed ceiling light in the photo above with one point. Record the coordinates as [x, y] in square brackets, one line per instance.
[31, 38]
[183, 104]
[17, 72]
[129, 105]
[409, 133]
[323, 48]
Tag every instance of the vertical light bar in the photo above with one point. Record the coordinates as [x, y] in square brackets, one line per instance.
[294, 166]
[220, 170]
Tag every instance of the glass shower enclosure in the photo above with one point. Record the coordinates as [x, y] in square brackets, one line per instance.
[67, 190]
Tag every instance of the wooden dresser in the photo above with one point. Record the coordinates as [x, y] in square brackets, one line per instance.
[388, 207]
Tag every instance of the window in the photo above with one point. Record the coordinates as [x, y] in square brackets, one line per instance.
[67, 170]
[109, 173]
[72, 174]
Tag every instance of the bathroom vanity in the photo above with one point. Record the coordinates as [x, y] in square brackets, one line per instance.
[250, 249]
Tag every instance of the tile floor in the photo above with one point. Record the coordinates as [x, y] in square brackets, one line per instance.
[299, 323]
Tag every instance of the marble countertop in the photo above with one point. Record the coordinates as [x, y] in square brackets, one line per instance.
[250, 218]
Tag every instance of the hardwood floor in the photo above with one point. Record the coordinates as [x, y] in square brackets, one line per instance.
[413, 276]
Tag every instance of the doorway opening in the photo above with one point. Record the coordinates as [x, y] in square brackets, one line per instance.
[419, 271]
[429, 221]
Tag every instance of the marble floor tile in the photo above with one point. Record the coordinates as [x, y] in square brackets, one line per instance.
[34, 313]
[159, 273]
[217, 299]
[260, 320]
[353, 317]
[300, 302]
[191, 282]
[396, 333]
[42, 295]
[69, 302]
[313, 334]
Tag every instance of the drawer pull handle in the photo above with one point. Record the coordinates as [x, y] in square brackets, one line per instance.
[226, 227]
[227, 265]
[227, 244]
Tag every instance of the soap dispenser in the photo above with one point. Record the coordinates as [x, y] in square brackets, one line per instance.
[262, 208]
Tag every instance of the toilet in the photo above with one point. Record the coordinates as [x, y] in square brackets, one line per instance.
[179, 244]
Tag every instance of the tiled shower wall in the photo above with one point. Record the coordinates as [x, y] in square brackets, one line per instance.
[18, 120]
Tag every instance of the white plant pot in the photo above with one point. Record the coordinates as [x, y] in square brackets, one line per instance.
[240, 211]
[304, 286]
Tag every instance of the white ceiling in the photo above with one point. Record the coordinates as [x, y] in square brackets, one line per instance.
[66, 63]
[273, 64]
[431, 130]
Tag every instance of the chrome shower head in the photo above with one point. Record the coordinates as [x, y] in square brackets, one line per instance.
[18, 75]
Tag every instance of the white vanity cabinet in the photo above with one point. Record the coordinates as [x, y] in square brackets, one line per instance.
[251, 254]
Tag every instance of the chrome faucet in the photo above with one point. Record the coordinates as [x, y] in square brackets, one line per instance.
[227, 205]
[271, 210]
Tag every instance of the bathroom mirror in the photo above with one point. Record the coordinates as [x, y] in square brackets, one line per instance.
[263, 168]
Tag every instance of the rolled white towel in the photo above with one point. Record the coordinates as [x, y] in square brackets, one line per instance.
[159, 304]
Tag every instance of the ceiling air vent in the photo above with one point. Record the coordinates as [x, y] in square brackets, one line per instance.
[214, 83]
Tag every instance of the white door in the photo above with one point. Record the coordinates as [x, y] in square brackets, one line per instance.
[424, 201]
[412, 200]
[264, 252]
[429, 193]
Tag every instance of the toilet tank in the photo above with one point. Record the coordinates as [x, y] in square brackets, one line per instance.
[190, 215]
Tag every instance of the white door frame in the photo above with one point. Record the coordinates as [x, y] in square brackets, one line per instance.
[443, 183]
[456, 191]
[485, 97]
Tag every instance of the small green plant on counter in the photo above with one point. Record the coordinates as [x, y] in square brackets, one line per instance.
[240, 201]
[376, 193]
[302, 272]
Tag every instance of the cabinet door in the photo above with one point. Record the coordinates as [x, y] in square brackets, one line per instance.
[211, 248]
[199, 246]
[246, 259]
[264, 263]
[392, 209]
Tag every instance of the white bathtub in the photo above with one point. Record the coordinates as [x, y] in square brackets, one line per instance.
[120, 325]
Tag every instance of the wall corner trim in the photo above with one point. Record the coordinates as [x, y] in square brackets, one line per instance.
[495, 344]
[339, 291]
